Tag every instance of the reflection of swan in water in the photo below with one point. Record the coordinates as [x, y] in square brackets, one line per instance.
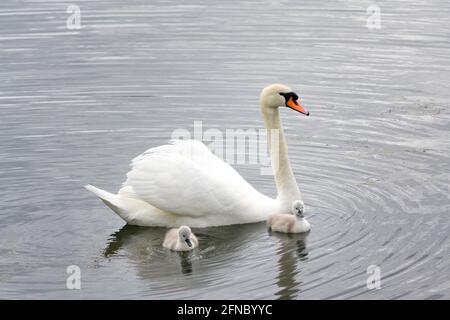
[144, 244]
[128, 234]
[143, 247]
[292, 249]
[222, 253]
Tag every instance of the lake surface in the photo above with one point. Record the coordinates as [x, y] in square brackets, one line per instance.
[372, 160]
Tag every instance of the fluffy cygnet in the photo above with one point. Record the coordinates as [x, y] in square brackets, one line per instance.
[180, 239]
[293, 222]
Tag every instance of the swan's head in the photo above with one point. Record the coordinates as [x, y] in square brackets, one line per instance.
[298, 208]
[184, 234]
[279, 95]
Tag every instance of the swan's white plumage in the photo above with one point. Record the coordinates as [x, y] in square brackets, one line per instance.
[186, 179]
[183, 183]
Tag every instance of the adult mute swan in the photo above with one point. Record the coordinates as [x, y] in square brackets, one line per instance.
[183, 183]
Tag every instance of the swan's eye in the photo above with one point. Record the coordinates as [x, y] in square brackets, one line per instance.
[289, 95]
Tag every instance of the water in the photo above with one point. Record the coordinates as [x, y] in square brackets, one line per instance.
[372, 161]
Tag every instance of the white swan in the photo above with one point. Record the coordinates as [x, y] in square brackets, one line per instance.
[293, 222]
[183, 183]
[180, 239]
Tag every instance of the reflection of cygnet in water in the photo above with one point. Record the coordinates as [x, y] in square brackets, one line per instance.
[180, 239]
[289, 223]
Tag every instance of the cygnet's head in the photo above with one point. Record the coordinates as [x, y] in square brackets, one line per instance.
[184, 234]
[279, 95]
[298, 208]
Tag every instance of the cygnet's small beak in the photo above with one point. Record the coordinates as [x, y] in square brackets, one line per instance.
[189, 243]
[291, 103]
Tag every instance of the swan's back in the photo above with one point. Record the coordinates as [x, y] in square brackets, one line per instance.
[185, 178]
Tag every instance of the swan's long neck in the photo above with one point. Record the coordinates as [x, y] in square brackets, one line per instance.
[284, 177]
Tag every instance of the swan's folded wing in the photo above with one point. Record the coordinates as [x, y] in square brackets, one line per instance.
[195, 151]
[187, 179]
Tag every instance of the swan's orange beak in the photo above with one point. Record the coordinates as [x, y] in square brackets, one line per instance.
[296, 106]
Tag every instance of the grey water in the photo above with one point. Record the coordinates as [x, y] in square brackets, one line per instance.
[372, 160]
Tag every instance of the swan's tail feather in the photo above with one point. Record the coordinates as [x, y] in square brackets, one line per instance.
[111, 200]
[102, 194]
[134, 211]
